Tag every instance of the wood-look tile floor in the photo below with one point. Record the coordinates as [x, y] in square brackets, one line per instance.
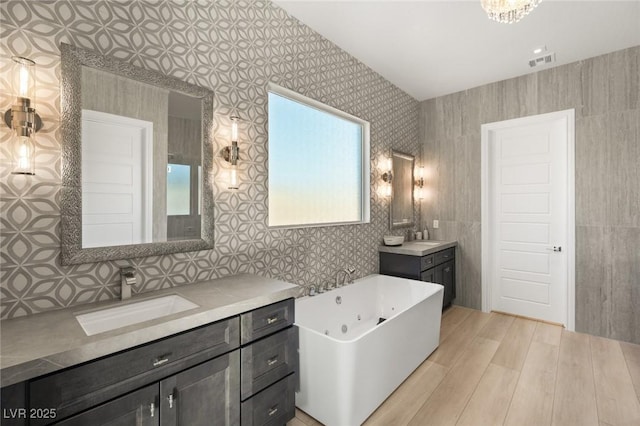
[494, 369]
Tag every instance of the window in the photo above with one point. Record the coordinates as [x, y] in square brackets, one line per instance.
[178, 189]
[318, 163]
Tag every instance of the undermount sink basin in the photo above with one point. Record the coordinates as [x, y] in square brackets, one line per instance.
[132, 313]
[428, 243]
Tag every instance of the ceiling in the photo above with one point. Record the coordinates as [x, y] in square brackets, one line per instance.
[432, 48]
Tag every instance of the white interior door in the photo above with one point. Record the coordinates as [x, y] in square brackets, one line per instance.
[116, 180]
[526, 212]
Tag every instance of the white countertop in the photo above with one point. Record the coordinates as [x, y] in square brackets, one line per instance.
[43, 343]
[418, 247]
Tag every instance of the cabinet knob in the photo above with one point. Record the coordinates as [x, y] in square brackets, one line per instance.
[271, 320]
[272, 361]
[170, 398]
[273, 410]
[152, 409]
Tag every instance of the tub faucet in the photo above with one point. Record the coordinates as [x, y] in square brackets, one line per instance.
[127, 279]
[346, 274]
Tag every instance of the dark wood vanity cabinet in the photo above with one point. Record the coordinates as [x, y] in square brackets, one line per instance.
[438, 267]
[199, 377]
[268, 365]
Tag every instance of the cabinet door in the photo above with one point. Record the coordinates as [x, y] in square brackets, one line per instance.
[429, 276]
[207, 394]
[139, 408]
[446, 276]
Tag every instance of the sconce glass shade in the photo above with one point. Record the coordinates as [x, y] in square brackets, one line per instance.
[22, 117]
[234, 128]
[24, 79]
[388, 190]
[233, 177]
[23, 154]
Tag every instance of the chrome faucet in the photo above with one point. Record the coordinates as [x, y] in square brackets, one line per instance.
[346, 274]
[127, 279]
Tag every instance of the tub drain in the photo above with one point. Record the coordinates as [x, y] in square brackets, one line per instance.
[344, 328]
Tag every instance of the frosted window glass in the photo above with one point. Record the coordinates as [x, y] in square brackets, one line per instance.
[315, 165]
[178, 189]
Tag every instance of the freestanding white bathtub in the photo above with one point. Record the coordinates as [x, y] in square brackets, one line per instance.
[349, 364]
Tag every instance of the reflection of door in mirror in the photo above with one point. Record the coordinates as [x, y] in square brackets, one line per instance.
[117, 167]
[132, 134]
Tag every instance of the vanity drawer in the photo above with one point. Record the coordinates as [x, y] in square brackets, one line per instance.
[426, 262]
[444, 255]
[273, 406]
[268, 360]
[81, 387]
[266, 320]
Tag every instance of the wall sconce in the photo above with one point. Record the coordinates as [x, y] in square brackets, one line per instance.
[419, 183]
[22, 117]
[232, 153]
[388, 178]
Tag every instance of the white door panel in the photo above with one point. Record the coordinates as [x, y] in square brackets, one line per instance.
[525, 212]
[116, 180]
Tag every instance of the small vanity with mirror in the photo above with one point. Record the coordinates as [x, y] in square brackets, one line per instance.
[137, 153]
[423, 260]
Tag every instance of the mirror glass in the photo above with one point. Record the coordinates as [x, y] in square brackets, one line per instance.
[141, 162]
[137, 152]
[402, 190]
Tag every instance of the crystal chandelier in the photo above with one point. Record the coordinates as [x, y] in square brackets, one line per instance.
[508, 11]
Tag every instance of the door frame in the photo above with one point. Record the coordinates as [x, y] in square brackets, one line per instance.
[485, 192]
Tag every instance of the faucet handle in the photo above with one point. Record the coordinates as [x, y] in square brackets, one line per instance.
[128, 275]
[312, 290]
[128, 271]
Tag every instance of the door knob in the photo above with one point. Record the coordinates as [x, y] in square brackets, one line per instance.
[555, 248]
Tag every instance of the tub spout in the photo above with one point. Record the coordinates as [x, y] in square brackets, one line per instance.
[346, 276]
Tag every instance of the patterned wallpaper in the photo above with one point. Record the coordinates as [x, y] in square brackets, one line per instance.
[235, 48]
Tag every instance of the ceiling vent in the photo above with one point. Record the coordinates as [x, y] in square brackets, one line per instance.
[546, 59]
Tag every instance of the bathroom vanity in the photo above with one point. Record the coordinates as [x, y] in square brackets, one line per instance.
[233, 360]
[424, 260]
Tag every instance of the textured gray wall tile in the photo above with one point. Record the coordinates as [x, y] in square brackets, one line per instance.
[625, 279]
[491, 101]
[624, 80]
[623, 169]
[595, 85]
[235, 49]
[593, 283]
[607, 179]
[593, 182]
[520, 96]
[466, 191]
[560, 88]
[471, 110]
[446, 197]
[469, 264]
